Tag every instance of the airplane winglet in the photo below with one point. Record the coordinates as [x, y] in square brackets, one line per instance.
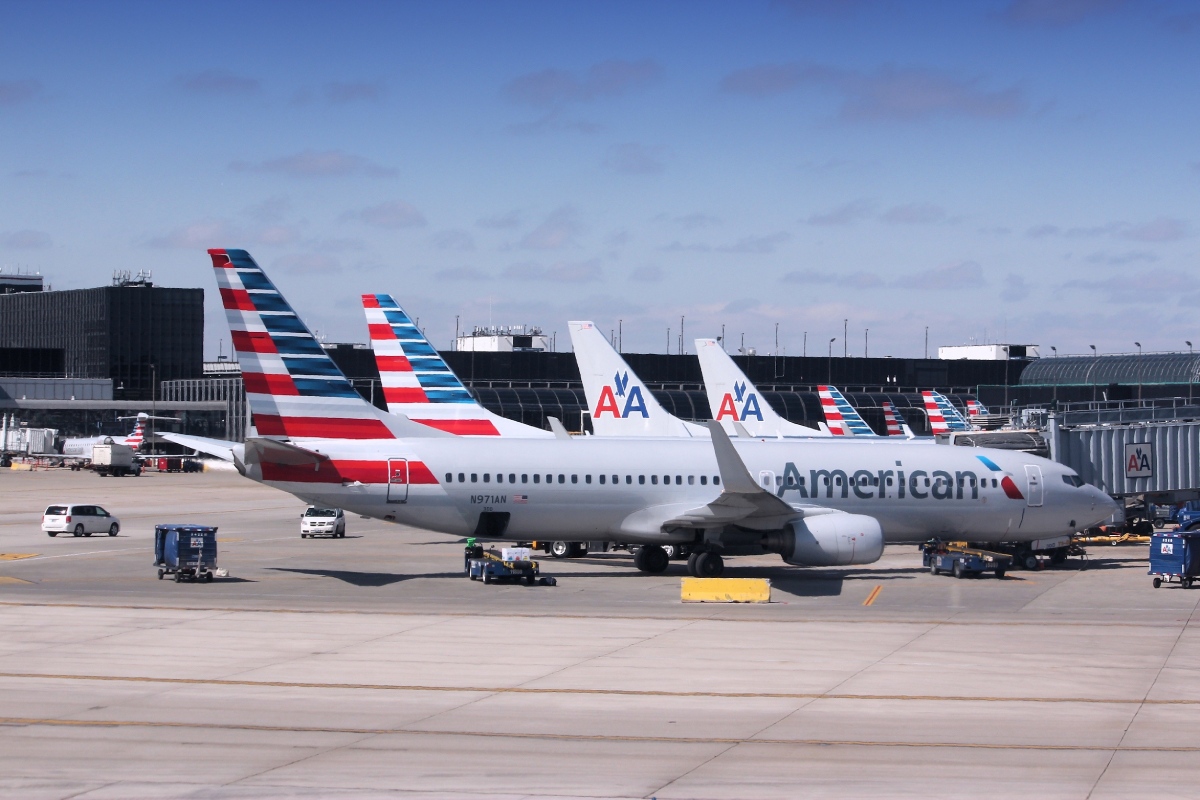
[734, 475]
[741, 431]
[560, 430]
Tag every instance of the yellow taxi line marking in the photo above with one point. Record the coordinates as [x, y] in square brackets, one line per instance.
[576, 737]
[16, 556]
[871, 597]
[7, 579]
[570, 690]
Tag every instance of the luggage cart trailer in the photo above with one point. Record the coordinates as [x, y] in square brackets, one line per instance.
[188, 552]
[1174, 557]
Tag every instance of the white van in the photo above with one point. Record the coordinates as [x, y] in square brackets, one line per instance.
[323, 522]
[80, 520]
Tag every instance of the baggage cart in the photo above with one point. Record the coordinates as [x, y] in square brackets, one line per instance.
[1175, 556]
[492, 567]
[187, 552]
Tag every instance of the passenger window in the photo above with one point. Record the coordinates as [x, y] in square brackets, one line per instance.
[654, 480]
[691, 480]
[449, 477]
[499, 477]
[601, 479]
[588, 478]
[462, 478]
[641, 478]
[666, 480]
[537, 478]
[679, 480]
[512, 478]
[574, 479]
[474, 477]
[889, 480]
[716, 480]
[704, 480]
[616, 479]
[549, 479]
[562, 478]
[524, 477]
[995, 483]
[487, 477]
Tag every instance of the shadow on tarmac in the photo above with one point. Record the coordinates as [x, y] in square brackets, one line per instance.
[367, 578]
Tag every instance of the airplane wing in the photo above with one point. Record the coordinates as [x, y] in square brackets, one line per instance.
[742, 501]
[213, 447]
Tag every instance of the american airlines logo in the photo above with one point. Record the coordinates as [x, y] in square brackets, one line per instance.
[747, 401]
[632, 396]
[866, 484]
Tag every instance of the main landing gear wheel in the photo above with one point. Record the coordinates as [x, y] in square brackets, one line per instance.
[709, 565]
[651, 558]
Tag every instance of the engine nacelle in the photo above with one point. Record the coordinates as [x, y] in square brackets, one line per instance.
[828, 540]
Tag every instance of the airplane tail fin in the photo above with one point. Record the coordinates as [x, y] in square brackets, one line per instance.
[294, 388]
[620, 404]
[136, 438]
[843, 419]
[933, 410]
[895, 422]
[954, 419]
[733, 399]
[977, 409]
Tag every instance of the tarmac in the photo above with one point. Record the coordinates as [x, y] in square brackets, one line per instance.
[370, 667]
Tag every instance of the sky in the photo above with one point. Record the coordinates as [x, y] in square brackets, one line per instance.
[1022, 171]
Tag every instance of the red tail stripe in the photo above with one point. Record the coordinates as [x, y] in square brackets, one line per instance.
[220, 259]
[259, 383]
[462, 427]
[404, 394]
[370, 301]
[253, 342]
[393, 364]
[343, 471]
[238, 299]
[321, 427]
[381, 330]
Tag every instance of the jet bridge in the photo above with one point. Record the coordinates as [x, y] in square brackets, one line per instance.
[1158, 458]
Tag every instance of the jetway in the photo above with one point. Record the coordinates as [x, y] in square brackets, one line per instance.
[1156, 458]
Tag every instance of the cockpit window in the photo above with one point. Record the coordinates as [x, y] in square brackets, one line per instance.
[1072, 480]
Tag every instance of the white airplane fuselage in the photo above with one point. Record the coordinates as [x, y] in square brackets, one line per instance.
[916, 493]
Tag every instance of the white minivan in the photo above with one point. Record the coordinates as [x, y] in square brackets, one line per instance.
[80, 520]
[323, 522]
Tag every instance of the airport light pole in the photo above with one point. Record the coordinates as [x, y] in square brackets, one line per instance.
[1139, 347]
[927, 341]
[845, 338]
[1095, 363]
[829, 378]
[866, 342]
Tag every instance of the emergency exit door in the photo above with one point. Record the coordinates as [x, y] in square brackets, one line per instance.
[1033, 475]
[397, 491]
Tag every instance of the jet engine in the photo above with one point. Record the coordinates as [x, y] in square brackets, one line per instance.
[828, 540]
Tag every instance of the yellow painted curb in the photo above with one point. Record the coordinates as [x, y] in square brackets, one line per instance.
[21, 467]
[725, 590]
[16, 556]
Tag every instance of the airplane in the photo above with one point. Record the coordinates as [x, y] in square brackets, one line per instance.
[896, 426]
[419, 384]
[733, 398]
[943, 416]
[977, 409]
[815, 503]
[842, 417]
[618, 401]
[82, 447]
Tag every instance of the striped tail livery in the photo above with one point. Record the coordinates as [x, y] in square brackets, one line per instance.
[842, 418]
[419, 384]
[943, 416]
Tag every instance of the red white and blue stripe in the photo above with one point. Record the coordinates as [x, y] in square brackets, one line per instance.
[893, 419]
[943, 416]
[842, 418]
[293, 387]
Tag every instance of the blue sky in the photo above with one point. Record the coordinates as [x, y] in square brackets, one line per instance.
[1025, 171]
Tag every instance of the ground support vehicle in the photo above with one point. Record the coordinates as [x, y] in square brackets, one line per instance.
[115, 460]
[573, 549]
[329, 522]
[78, 520]
[962, 561]
[187, 552]
[511, 564]
[1174, 557]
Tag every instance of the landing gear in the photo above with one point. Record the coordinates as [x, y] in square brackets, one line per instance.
[651, 558]
[705, 565]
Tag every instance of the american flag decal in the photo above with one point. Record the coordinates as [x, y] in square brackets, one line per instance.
[520, 498]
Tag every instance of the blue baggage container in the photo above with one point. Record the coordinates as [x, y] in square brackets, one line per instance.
[185, 551]
[1175, 557]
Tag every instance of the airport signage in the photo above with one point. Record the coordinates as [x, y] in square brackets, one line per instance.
[1139, 459]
